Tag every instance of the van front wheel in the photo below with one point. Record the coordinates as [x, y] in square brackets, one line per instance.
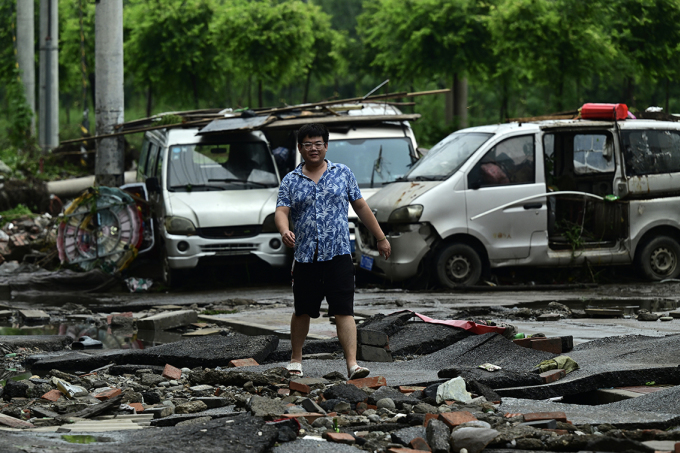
[458, 265]
[659, 257]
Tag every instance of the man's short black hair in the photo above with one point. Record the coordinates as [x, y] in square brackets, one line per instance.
[312, 130]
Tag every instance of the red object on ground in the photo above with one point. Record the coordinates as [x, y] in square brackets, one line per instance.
[139, 407]
[604, 111]
[52, 395]
[242, 362]
[473, 327]
[369, 382]
[341, 438]
[170, 372]
[534, 416]
[453, 419]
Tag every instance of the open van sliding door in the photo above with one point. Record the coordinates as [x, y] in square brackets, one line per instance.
[505, 174]
[583, 160]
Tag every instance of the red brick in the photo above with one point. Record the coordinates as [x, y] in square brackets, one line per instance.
[552, 376]
[14, 422]
[369, 382]
[429, 417]
[403, 450]
[453, 419]
[170, 372]
[410, 388]
[139, 407]
[553, 345]
[108, 394]
[372, 406]
[332, 414]
[127, 314]
[535, 416]
[309, 416]
[299, 387]
[419, 444]
[242, 362]
[677, 447]
[52, 395]
[341, 438]
[284, 392]
[559, 432]
[18, 240]
[524, 342]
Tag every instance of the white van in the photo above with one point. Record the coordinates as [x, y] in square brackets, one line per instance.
[547, 193]
[213, 190]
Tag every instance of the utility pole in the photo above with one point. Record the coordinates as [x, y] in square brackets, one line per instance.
[108, 96]
[26, 52]
[48, 116]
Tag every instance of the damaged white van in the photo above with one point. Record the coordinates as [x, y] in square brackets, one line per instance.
[605, 190]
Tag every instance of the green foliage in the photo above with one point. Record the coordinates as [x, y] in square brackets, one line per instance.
[16, 212]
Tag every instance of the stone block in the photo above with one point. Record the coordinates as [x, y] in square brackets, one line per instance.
[160, 411]
[533, 416]
[52, 395]
[552, 376]
[403, 450]
[212, 402]
[541, 424]
[553, 345]
[548, 317]
[309, 416]
[310, 406]
[405, 435]
[168, 320]
[453, 419]
[438, 436]
[170, 372]
[341, 438]
[373, 354]
[524, 342]
[299, 387]
[419, 444]
[242, 362]
[567, 343]
[107, 394]
[410, 388]
[372, 338]
[369, 382]
[34, 315]
[138, 407]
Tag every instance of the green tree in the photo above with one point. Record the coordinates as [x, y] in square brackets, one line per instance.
[327, 51]
[425, 39]
[647, 33]
[548, 42]
[170, 48]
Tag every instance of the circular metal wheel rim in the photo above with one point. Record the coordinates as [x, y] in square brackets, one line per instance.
[453, 266]
[663, 261]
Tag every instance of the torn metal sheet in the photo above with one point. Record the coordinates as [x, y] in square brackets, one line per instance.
[235, 124]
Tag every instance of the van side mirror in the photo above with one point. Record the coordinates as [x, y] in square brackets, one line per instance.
[152, 185]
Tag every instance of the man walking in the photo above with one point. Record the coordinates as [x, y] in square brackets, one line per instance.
[316, 195]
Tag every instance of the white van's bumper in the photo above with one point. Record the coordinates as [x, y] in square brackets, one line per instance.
[409, 247]
[184, 252]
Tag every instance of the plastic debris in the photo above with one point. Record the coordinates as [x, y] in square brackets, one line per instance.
[453, 390]
[490, 367]
[69, 390]
[138, 285]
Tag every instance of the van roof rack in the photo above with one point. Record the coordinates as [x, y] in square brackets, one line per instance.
[328, 111]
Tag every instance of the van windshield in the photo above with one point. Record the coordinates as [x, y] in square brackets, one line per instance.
[447, 156]
[228, 166]
[373, 161]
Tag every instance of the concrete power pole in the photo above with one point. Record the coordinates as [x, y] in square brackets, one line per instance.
[108, 96]
[48, 117]
[26, 52]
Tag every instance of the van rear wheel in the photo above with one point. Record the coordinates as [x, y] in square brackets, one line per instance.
[458, 265]
[659, 257]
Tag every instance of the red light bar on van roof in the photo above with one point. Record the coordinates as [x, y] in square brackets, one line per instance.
[604, 111]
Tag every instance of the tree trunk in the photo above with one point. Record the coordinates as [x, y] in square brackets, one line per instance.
[306, 93]
[668, 89]
[448, 104]
[504, 100]
[460, 101]
[259, 93]
[194, 83]
[149, 100]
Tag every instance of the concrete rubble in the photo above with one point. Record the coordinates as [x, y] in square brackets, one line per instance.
[233, 391]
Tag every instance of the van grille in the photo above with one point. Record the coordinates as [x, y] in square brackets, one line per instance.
[241, 231]
[229, 249]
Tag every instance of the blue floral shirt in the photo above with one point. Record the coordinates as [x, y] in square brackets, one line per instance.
[319, 211]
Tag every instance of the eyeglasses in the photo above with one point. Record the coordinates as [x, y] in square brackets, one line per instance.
[315, 145]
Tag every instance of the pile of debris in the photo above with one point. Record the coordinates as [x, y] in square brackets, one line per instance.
[27, 239]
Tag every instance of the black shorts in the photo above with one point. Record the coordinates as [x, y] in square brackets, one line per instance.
[332, 279]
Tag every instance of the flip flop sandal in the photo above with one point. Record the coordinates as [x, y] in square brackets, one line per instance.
[358, 372]
[295, 368]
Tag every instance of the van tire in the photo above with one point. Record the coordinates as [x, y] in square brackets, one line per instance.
[458, 265]
[659, 258]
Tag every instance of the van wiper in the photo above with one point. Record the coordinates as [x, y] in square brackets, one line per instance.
[376, 165]
[242, 181]
[191, 187]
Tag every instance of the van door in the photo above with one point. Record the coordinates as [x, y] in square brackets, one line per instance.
[507, 173]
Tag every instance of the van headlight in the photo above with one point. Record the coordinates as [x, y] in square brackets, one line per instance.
[269, 225]
[179, 225]
[406, 214]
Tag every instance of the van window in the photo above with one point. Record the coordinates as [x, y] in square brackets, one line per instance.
[509, 162]
[373, 161]
[593, 154]
[649, 152]
[150, 167]
[221, 166]
[448, 155]
[143, 155]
